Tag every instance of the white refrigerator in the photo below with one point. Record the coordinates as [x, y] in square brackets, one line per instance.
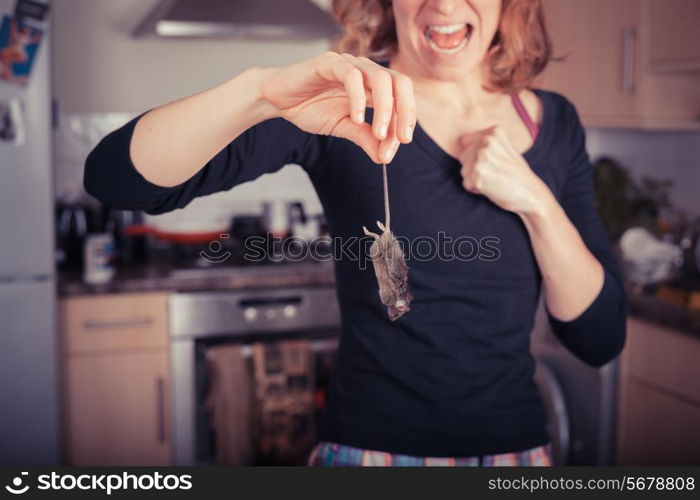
[29, 374]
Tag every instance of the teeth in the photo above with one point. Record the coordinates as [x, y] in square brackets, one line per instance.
[446, 30]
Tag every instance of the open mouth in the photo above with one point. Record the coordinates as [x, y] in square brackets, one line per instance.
[448, 39]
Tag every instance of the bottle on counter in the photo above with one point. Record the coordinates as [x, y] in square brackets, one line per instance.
[99, 255]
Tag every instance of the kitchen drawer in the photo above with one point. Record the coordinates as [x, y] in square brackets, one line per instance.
[664, 357]
[114, 322]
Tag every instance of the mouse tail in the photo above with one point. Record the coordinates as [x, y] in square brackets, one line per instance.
[387, 215]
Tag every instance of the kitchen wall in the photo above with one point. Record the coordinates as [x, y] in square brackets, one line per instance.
[671, 155]
[99, 67]
[103, 77]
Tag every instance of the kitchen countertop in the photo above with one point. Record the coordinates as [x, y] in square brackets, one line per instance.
[649, 307]
[162, 277]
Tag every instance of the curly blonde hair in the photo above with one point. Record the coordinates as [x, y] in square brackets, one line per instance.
[519, 51]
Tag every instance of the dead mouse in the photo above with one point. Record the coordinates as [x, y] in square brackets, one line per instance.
[389, 264]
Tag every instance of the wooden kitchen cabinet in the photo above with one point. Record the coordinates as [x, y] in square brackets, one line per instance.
[117, 408]
[613, 52]
[591, 35]
[674, 35]
[116, 379]
[659, 397]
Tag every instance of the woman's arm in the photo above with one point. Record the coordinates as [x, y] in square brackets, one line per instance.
[322, 95]
[164, 158]
[253, 124]
[172, 142]
[584, 295]
[572, 276]
[111, 177]
[582, 285]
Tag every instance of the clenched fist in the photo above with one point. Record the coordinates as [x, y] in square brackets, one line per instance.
[492, 167]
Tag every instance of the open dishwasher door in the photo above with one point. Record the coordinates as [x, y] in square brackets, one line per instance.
[202, 322]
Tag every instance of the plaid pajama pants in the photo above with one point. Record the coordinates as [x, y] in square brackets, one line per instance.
[333, 454]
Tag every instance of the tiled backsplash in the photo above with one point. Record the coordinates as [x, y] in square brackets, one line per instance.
[74, 138]
[672, 155]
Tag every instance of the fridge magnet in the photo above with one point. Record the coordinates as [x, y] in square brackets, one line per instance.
[19, 44]
[32, 12]
[11, 122]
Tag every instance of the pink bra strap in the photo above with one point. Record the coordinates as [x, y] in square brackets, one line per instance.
[529, 123]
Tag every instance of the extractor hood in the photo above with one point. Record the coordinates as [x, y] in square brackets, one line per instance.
[257, 19]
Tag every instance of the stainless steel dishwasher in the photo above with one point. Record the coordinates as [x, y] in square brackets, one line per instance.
[199, 320]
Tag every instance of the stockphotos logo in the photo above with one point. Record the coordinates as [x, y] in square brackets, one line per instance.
[17, 487]
[102, 482]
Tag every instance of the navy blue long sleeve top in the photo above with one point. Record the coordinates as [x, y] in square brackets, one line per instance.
[454, 376]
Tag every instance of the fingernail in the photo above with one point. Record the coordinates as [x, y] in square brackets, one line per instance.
[360, 116]
[408, 132]
[388, 155]
[383, 129]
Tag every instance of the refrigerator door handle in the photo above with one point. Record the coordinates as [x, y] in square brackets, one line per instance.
[6, 279]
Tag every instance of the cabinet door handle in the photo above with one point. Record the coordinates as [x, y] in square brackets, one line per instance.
[160, 409]
[127, 323]
[629, 42]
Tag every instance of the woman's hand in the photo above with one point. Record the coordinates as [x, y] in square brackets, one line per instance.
[492, 167]
[328, 95]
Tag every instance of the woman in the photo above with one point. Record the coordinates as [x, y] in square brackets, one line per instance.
[483, 159]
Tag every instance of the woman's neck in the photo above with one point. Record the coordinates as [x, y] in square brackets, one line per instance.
[466, 96]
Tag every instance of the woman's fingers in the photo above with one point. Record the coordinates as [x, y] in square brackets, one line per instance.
[388, 92]
[390, 144]
[405, 107]
[355, 88]
[381, 84]
[361, 135]
[353, 81]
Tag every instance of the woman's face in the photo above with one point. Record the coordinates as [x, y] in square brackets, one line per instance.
[445, 39]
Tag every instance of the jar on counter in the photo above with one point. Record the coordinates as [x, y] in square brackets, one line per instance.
[99, 258]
